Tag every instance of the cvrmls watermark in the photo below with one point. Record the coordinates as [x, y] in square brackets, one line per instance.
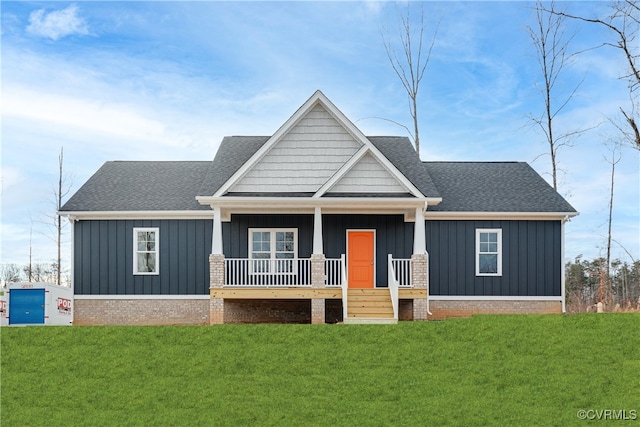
[608, 414]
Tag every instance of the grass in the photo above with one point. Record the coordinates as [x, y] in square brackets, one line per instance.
[487, 370]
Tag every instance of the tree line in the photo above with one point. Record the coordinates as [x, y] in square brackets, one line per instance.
[588, 282]
[34, 272]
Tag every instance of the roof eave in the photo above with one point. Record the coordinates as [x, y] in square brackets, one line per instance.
[155, 214]
[444, 215]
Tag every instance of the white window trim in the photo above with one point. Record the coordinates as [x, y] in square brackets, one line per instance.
[498, 231]
[272, 231]
[135, 251]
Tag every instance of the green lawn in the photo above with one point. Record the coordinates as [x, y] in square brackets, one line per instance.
[487, 370]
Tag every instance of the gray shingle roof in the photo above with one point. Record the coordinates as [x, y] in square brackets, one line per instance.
[400, 152]
[493, 187]
[141, 186]
[234, 151]
[173, 185]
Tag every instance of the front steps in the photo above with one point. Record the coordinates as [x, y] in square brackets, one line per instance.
[369, 306]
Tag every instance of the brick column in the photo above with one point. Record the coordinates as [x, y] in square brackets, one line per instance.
[317, 281]
[216, 311]
[420, 280]
[216, 271]
[216, 280]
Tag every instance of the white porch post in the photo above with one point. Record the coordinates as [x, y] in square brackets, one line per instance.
[420, 267]
[216, 238]
[216, 269]
[317, 232]
[317, 268]
[419, 241]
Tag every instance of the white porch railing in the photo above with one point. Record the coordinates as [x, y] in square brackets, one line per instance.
[402, 271]
[393, 285]
[333, 269]
[345, 287]
[267, 272]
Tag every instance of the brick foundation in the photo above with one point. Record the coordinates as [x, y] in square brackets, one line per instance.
[442, 309]
[141, 312]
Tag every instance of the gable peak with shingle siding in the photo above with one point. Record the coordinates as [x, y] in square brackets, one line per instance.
[234, 151]
[309, 153]
[304, 157]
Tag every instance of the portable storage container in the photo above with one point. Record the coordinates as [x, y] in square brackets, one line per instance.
[39, 304]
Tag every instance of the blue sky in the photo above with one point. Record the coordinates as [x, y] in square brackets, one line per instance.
[168, 80]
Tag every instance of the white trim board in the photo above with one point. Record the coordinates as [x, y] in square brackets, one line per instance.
[534, 216]
[491, 298]
[83, 215]
[142, 297]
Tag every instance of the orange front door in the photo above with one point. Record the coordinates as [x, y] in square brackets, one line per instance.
[360, 258]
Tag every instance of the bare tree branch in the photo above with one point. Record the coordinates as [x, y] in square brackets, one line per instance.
[390, 121]
[624, 24]
[551, 43]
[411, 65]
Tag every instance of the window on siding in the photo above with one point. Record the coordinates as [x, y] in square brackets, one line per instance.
[145, 250]
[488, 252]
[273, 250]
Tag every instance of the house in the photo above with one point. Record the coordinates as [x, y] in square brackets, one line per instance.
[315, 223]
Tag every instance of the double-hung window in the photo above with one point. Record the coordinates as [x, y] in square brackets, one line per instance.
[273, 250]
[488, 252]
[145, 250]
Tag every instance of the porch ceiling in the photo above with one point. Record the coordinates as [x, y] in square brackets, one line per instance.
[339, 205]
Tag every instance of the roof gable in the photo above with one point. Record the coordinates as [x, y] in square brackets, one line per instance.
[366, 175]
[308, 154]
[304, 158]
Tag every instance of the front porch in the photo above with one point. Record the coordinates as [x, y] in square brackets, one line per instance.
[323, 284]
[369, 259]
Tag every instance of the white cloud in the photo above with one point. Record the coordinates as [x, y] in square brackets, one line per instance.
[118, 120]
[57, 24]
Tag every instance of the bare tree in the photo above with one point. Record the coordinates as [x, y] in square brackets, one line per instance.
[604, 292]
[410, 61]
[10, 273]
[30, 266]
[624, 24]
[40, 272]
[62, 189]
[551, 42]
[59, 196]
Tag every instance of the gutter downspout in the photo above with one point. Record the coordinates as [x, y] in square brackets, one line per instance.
[72, 221]
[563, 290]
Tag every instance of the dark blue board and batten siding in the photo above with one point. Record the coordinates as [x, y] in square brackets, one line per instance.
[393, 235]
[104, 258]
[531, 258]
